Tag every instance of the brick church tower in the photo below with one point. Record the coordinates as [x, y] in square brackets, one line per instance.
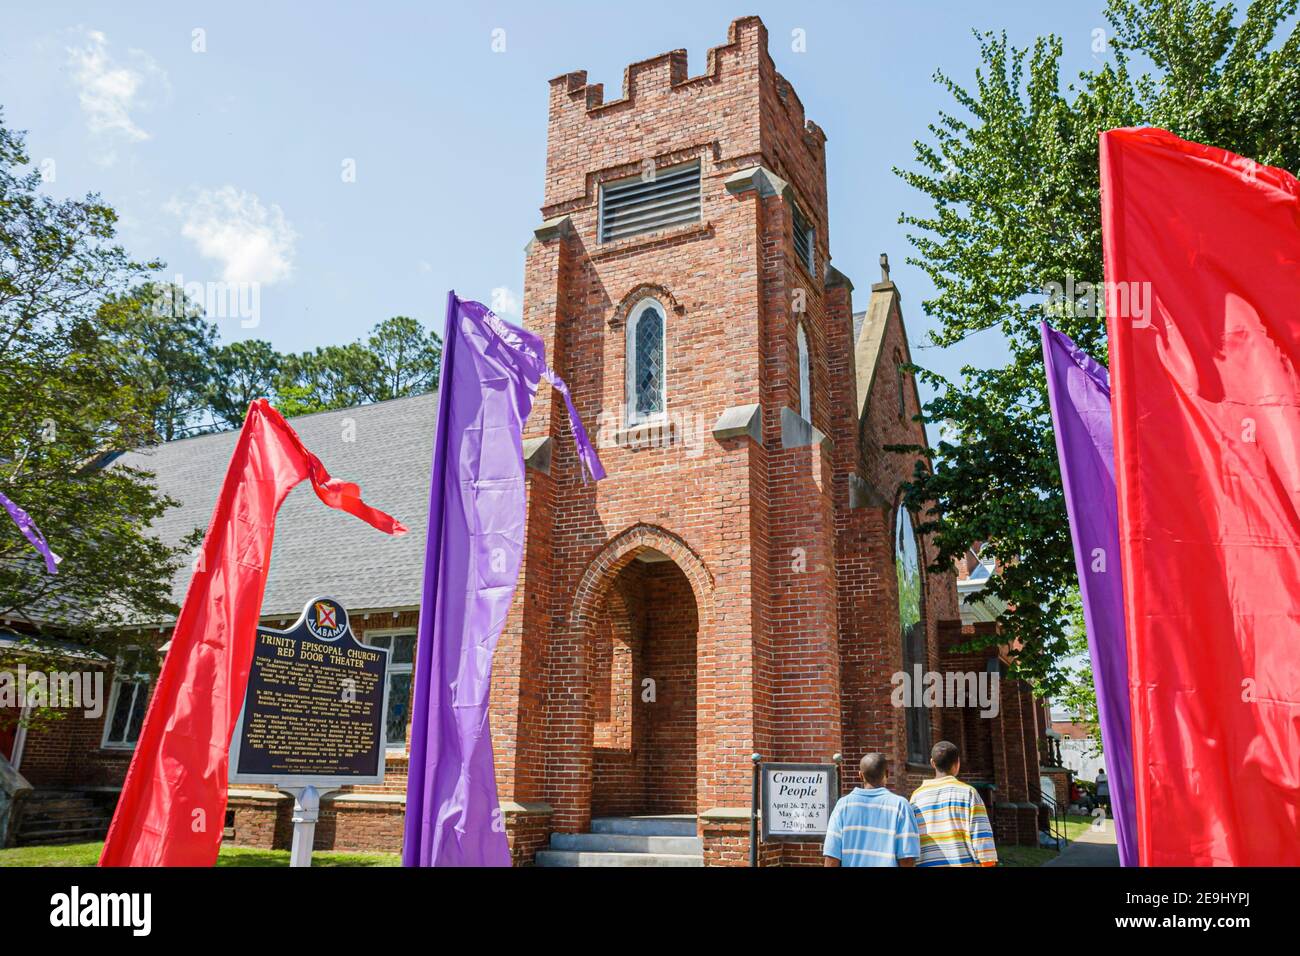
[732, 587]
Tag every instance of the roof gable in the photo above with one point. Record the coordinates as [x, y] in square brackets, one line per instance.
[386, 448]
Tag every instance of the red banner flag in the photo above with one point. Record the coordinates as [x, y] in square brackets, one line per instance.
[173, 803]
[1203, 310]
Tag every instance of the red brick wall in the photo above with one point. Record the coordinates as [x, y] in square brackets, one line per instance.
[1002, 749]
[618, 785]
[644, 759]
[666, 745]
[797, 632]
[63, 751]
[697, 494]
[871, 650]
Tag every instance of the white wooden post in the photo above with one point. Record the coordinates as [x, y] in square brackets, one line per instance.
[306, 811]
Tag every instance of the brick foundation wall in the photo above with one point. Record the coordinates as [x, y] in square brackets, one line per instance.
[528, 829]
[346, 824]
[264, 821]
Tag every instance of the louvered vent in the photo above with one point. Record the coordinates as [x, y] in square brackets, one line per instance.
[633, 206]
[803, 241]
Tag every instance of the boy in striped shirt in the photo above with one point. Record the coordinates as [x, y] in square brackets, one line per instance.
[871, 826]
[954, 825]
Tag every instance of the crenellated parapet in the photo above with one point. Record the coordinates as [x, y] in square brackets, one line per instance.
[738, 113]
[667, 71]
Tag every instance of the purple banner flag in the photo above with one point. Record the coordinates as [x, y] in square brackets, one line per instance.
[490, 373]
[1079, 390]
[32, 533]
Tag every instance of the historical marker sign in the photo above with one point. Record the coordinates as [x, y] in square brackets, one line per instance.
[316, 706]
[797, 800]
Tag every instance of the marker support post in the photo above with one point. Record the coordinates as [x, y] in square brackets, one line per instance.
[306, 812]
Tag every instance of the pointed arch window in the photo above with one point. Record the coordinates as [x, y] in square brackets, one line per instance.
[907, 562]
[805, 374]
[646, 362]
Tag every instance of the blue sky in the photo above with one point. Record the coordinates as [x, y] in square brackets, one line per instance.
[229, 163]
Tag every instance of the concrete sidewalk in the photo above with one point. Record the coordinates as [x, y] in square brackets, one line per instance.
[1092, 848]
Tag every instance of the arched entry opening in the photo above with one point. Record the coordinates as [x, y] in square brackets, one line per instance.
[643, 690]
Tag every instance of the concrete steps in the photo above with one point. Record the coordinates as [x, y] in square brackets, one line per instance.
[57, 816]
[628, 841]
[675, 824]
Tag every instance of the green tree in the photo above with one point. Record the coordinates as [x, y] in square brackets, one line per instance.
[1013, 179]
[398, 359]
[1080, 694]
[408, 357]
[333, 376]
[67, 401]
[170, 349]
[242, 371]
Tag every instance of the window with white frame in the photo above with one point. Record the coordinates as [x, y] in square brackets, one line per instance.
[646, 361]
[805, 241]
[129, 698]
[805, 375]
[401, 661]
[659, 199]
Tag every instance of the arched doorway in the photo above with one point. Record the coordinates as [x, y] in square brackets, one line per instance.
[641, 609]
[643, 690]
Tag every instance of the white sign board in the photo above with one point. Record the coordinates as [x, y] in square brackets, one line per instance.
[797, 800]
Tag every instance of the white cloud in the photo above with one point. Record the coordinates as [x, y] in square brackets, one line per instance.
[109, 90]
[253, 242]
[505, 303]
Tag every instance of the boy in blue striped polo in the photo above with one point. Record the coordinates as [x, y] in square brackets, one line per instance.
[872, 826]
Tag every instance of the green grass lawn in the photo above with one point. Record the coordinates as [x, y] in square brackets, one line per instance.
[87, 854]
[1024, 856]
[1075, 826]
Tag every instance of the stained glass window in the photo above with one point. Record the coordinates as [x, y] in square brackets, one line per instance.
[646, 378]
[912, 632]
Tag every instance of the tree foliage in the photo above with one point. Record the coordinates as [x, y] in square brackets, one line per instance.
[241, 373]
[1013, 181]
[398, 359]
[168, 349]
[67, 399]
[96, 358]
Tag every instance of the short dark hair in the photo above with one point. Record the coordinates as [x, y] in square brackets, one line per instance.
[874, 767]
[944, 756]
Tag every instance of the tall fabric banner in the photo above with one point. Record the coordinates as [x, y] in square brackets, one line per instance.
[1203, 311]
[32, 533]
[172, 808]
[1079, 390]
[490, 372]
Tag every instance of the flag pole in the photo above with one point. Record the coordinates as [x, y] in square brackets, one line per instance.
[418, 767]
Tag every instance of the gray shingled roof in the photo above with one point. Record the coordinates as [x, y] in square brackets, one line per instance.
[318, 550]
